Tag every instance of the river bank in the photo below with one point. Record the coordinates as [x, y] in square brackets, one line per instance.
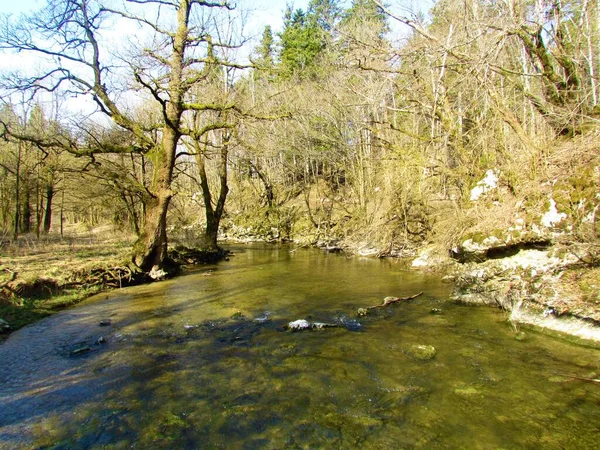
[543, 281]
[40, 277]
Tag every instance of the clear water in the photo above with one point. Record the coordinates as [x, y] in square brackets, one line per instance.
[203, 361]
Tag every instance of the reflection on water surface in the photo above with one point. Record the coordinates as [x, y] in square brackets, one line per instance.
[202, 361]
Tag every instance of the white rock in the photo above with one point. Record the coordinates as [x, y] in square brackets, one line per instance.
[491, 241]
[157, 274]
[368, 251]
[538, 260]
[552, 217]
[299, 325]
[423, 260]
[485, 185]
[470, 246]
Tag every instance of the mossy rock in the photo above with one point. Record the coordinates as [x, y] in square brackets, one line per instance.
[469, 391]
[422, 352]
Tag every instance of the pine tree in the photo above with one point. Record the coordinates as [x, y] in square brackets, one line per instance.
[305, 37]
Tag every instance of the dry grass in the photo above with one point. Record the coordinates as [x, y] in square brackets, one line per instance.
[58, 258]
[40, 268]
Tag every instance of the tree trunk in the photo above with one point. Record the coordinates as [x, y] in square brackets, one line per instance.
[26, 211]
[209, 239]
[48, 215]
[62, 211]
[213, 214]
[150, 250]
[17, 197]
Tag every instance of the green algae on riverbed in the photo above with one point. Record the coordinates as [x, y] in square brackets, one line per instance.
[202, 361]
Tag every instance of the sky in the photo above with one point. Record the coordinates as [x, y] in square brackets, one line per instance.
[262, 13]
[267, 12]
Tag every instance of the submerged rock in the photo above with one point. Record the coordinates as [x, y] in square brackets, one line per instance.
[422, 352]
[467, 391]
[361, 312]
[238, 315]
[299, 325]
[80, 351]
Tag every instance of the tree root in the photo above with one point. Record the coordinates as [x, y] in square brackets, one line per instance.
[115, 277]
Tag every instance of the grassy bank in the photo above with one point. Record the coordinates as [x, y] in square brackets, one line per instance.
[39, 277]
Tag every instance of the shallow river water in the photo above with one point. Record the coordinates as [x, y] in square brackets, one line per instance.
[203, 361]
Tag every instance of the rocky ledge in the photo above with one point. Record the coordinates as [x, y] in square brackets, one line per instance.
[544, 267]
[553, 287]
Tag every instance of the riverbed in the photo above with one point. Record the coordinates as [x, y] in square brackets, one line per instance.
[205, 361]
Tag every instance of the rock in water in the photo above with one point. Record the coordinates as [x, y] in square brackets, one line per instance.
[157, 274]
[422, 352]
[79, 351]
[298, 325]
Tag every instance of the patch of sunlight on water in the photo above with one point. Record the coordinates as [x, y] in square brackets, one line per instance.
[202, 361]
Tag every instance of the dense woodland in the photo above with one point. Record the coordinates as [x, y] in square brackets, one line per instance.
[358, 121]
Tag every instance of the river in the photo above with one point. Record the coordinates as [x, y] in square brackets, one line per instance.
[204, 361]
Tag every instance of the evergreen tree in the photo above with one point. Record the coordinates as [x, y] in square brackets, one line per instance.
[305, 37]
[265, 49]
[325, 13]
[265, 60]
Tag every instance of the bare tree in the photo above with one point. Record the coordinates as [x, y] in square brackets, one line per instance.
[176, 52]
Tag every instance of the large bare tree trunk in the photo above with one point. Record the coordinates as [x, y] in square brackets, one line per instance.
[150, 249]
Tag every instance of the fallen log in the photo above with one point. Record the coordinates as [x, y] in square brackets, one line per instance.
[389, 300]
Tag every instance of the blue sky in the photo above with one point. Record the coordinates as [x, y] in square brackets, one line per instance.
[267, 12]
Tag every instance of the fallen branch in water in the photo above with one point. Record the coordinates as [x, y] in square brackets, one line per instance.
[596, 381]
[389, 300]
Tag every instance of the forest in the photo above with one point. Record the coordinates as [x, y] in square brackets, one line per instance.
[359, 125]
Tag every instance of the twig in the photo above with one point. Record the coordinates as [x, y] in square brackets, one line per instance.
[389, 300]
[596, 381]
